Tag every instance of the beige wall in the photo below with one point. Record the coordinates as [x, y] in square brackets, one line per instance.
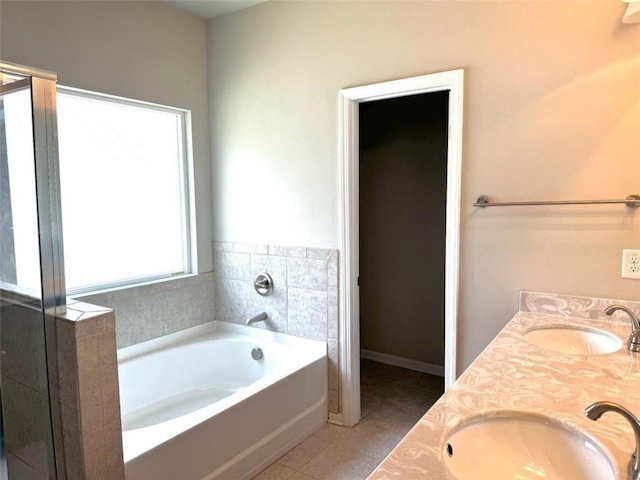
[552, 111]
[141, 50]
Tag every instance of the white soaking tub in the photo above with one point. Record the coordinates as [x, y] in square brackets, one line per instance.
[196, 405]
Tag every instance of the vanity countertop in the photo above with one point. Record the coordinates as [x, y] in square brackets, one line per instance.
[515, 375]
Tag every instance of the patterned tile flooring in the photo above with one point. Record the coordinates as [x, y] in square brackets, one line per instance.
[393, 399]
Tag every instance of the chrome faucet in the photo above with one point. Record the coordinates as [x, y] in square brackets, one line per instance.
[256, 318]
[634, 339]
[595, 411]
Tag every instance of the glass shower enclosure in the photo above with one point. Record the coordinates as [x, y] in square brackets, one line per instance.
[32, 290]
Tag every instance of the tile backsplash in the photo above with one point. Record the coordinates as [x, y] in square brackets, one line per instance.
[304, 301]
[571, 305]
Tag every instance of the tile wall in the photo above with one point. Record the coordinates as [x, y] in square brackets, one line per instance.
[88, 392]
[304, 301]
[25, 389]
[156, 309]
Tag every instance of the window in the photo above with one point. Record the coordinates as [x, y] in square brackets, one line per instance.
[19, 246]
[124, 189]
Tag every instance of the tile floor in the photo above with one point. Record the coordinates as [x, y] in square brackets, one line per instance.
[393, 399]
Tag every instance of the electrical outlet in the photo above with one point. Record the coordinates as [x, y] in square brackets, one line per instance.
[631, 264]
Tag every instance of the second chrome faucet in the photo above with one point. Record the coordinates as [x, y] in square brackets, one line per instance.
[595, 411]
[633, 343]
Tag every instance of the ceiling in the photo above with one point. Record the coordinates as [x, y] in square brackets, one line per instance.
[211, 8]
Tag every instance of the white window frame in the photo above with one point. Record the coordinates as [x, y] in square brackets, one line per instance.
[187, 192]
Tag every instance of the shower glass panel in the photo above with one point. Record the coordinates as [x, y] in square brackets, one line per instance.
[29, 298]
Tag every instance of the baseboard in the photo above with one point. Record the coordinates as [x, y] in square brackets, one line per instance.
[335, 418]
[403, 362]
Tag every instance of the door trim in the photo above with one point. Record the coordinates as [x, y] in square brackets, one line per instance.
[348, 146]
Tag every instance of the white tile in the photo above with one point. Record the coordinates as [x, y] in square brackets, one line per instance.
[307, 273]
[126, 312]
[275, 306]
[222, 246]
[284, 251]
[151, 312]
[198, 307]
[332, 312]
[233, 300]
[234, 266]
[276, 267]
[320, 253]
[332, 265]
[259, 248]
[334, 365]
[307, 313]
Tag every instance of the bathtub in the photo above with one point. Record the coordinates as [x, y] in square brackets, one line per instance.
[196, 405]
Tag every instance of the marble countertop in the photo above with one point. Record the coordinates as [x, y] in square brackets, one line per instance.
[515, 375]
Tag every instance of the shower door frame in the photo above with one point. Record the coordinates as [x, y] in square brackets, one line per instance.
[53, 294]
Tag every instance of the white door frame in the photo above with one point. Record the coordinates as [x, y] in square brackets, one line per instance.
[349, 323]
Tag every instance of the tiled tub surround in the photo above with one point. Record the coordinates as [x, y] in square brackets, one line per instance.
[513, 374]
[304, 301]
[155, 309]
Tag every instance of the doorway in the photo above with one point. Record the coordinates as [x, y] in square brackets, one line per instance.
[402, 212]
[451, 83]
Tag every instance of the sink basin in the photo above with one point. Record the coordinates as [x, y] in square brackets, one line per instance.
[522, 446]
[574, 340]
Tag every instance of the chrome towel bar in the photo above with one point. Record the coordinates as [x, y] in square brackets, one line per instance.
[632, 201]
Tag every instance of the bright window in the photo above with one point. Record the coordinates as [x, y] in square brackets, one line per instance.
[20, 265]
[124, 189]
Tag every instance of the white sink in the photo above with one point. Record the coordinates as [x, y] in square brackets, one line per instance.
[574, 340]
[522, 446]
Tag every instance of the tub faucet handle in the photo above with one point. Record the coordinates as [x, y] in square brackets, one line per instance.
[263, 284]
